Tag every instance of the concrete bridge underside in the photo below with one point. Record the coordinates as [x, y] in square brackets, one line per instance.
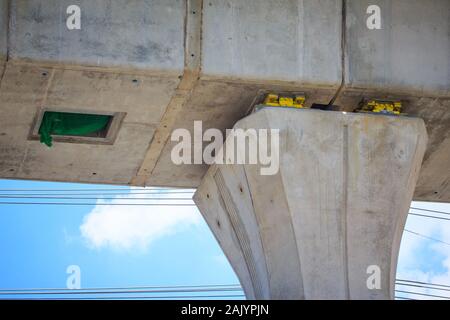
[166, 63]
[340, 200]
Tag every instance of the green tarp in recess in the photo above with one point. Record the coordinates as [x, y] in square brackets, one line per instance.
[70, 124]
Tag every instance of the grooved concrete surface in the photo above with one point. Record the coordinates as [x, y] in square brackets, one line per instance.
[247, 48]
[337, 205]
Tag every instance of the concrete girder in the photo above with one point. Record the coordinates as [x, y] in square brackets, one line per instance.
[408, 59]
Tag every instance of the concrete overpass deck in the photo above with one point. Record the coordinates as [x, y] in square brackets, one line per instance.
[166, 63]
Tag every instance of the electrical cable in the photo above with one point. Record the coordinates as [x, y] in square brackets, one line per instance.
[99, 204]
[427, 237]
[423, 294]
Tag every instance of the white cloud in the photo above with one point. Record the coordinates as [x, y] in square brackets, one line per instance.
[135, 227]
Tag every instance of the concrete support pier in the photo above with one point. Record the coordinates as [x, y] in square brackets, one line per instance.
[331, 217]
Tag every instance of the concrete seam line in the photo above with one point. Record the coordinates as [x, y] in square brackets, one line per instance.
[5, 65]
[295, 235]
[258, 223]
[343, 49]
[5, 62]
[10, 9]
[240, 232]
[189, 79]
[345, 172]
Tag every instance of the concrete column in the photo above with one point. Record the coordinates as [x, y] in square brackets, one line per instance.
[333, 214]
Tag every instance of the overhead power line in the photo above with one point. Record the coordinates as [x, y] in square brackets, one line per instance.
[434, 211]
[428, 216]
[421, 286]
[93, 198]
[403, 298]
[100, 204]
[96, 189]
[425, 283]
[213, 291]
[427, 237]
[102, 194]
[111, 292]
[126, 287]
[95, 194]
[423, 294]
[177, 292]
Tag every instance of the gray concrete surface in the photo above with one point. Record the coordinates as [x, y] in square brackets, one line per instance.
[133, 34]
[337, 205]
[219, 104]
[246, 48]
[3, 34]
[294, 40]
[29, 88]
[410, 52]
[3, 28]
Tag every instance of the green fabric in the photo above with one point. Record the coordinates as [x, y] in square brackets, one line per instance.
[70, 124]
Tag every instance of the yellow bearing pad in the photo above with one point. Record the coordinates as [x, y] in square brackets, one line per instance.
[275, 100]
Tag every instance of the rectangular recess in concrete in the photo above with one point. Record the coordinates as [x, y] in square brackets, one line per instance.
[107, 137]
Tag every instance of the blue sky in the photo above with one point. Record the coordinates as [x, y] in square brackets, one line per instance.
[38, 243]
[155, 245]
[423, 259]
